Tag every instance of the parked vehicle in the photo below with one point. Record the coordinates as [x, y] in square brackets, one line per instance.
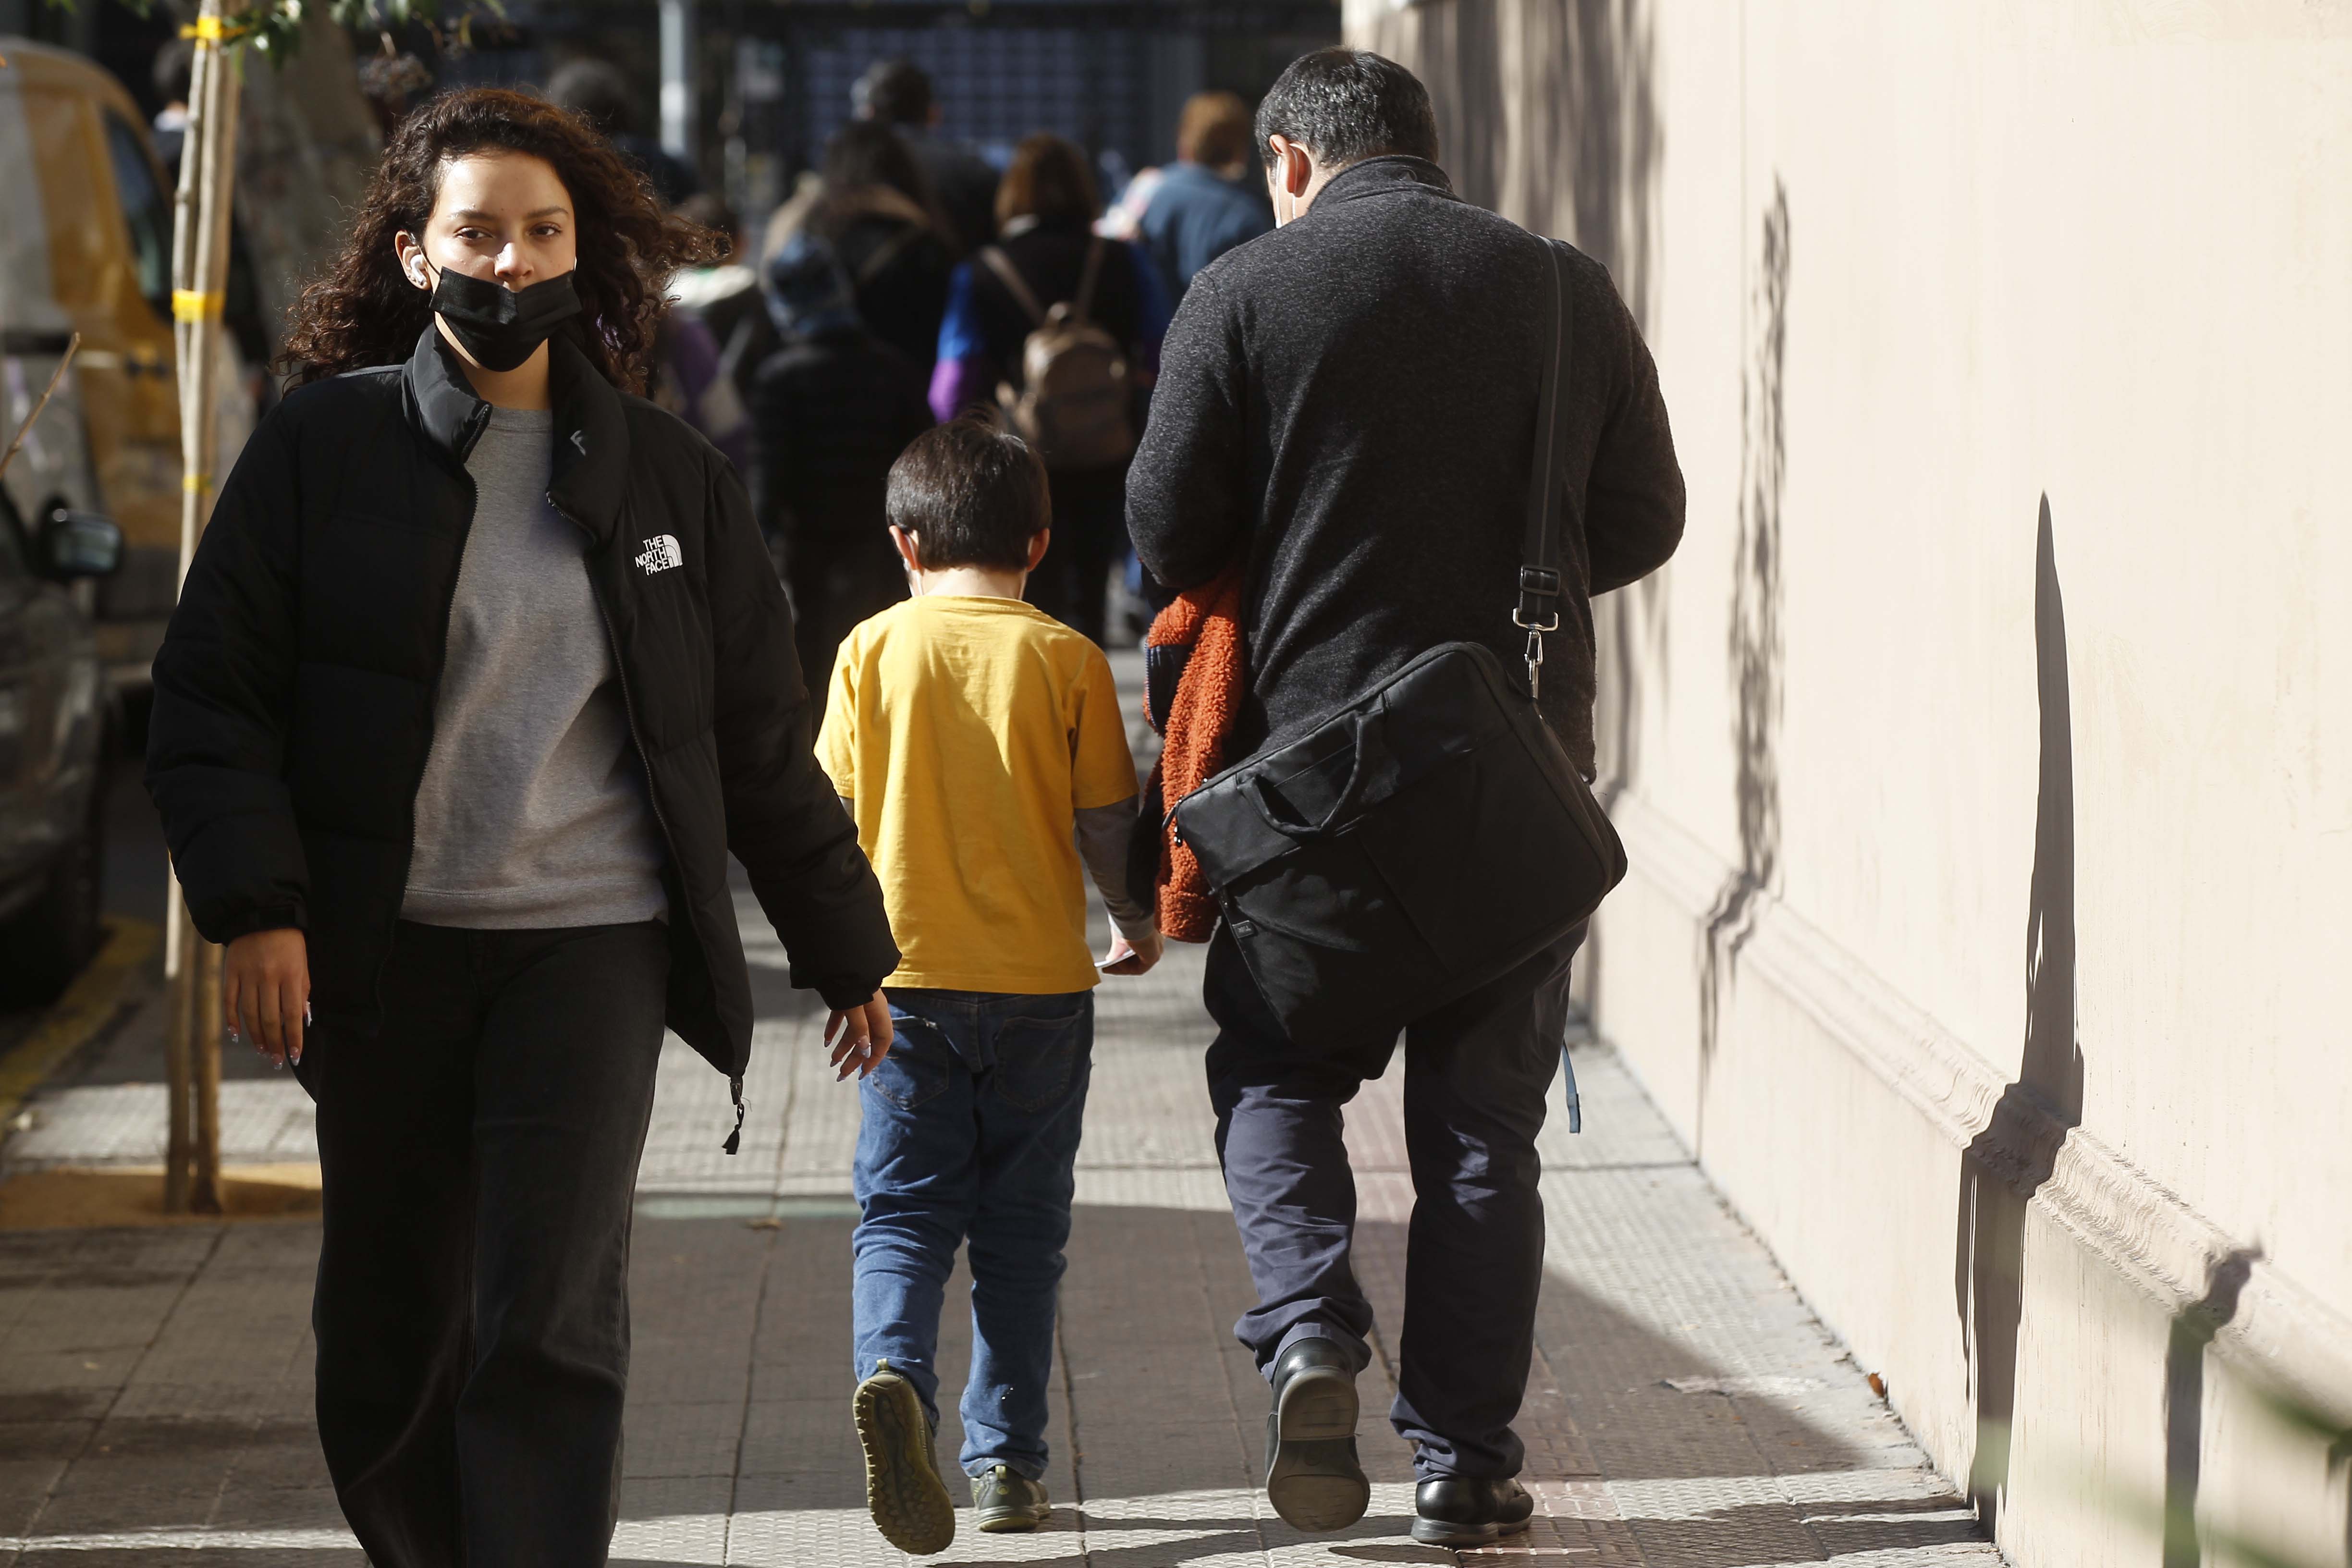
[55, 719]
[86, 245]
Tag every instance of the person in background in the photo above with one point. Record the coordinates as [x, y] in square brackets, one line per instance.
[980, 749]
[1123, 217]
[1045, 209]
[393, 85]
[174, 68]
[726, 294]
[874, 206]
[898, 93]
[1207, 203]
[690, 380]
[599, 90]
[830, 409]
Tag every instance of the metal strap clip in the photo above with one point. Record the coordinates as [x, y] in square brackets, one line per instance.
[1535, 656]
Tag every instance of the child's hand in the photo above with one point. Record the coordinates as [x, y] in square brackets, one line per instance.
[860, 1037]
[1126, 958]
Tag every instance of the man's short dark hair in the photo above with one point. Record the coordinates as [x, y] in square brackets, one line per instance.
[896, 92]
[972, 495]
[599, 91]
[1347, 105]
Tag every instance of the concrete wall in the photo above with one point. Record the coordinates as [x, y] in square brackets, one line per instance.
[1985, 756]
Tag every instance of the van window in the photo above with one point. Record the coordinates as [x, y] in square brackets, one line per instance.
[146, 209]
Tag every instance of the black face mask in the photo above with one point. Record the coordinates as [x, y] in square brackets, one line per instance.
[498, 326]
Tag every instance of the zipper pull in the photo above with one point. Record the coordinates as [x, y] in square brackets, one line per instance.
[735, 1139]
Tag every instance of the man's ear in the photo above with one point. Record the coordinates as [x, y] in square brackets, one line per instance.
[1294, 166]
[1037, 544]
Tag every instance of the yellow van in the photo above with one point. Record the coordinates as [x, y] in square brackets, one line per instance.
[86, 245]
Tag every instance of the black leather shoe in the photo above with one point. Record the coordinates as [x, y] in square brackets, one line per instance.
[1457, 1511]
[1312, 1475]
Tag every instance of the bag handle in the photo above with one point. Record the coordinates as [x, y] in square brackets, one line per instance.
[1368, 742]
[1010, 276]
[1538, 611]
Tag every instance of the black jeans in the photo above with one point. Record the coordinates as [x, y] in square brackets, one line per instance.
[1476, 1076]
[481, 1161]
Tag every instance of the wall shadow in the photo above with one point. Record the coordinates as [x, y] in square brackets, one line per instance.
[1755, 647]
[2007, 1162]
[2194, 1327]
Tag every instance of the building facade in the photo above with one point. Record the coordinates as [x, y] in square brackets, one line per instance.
[1985, 756]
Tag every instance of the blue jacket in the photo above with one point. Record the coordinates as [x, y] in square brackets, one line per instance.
[1195, 217]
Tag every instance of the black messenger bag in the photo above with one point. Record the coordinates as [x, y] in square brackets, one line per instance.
[1426, 837]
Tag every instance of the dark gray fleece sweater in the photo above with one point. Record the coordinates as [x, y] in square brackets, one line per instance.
[1349, 403]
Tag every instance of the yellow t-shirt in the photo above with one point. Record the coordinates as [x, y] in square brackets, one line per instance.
[965, 732]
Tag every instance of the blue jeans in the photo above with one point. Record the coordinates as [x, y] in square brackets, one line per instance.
[971, 1133]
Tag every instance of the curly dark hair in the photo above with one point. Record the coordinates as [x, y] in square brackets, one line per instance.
[363, 312]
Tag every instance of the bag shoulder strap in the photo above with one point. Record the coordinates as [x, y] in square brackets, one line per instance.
[1010, 276]
[1538, 611]
[1084, 304]
[889, 251]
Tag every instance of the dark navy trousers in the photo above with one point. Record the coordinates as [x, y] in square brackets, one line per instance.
[1476, 1080]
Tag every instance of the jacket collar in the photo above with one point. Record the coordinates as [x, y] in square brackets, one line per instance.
[592, 431]
[1385, 176]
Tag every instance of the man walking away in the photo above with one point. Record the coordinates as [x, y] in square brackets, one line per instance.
[1348, 407]
[1201, 207]
[898, 94]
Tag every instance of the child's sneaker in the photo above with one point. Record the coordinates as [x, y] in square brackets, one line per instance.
[903, 1491]
[1005, 1500]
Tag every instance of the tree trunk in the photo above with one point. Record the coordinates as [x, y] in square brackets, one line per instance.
[199, 284]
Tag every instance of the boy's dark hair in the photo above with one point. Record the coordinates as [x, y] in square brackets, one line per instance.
[972, 495]
[1347, 105]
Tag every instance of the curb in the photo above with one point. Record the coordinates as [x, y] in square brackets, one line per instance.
[89, 1005]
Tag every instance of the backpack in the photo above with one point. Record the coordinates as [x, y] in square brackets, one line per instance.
[1077, 404]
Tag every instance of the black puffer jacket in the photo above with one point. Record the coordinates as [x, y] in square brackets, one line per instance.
[294, 691]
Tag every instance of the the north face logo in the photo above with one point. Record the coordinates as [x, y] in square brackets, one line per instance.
[660, 555]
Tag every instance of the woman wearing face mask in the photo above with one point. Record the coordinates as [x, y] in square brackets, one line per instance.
[480, 673]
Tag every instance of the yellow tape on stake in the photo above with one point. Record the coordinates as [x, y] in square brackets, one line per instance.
[213, 30]
[196, 482]
[194, 305]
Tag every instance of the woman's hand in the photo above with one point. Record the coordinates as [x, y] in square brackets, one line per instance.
[860, 1037]
[265, 989]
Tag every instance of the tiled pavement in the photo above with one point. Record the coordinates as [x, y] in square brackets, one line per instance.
[154, 1385]
[1686, 1410]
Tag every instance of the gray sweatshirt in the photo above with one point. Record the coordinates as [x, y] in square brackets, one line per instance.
[533, 811]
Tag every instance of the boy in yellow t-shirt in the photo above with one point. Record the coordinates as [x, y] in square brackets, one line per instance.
[978, 745]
